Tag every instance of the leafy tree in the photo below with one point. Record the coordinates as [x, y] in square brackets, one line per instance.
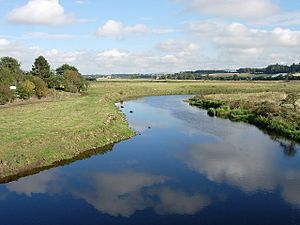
[5, 94]
[12, 68]
[74, 82]
[62, 69]
[41, 88]
[11, 63]
[6, 76]
[41, 68]
[26, 89]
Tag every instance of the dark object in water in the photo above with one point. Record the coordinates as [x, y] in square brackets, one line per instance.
[130, 111]
[140, 134]
[149, 127]
[122, 107]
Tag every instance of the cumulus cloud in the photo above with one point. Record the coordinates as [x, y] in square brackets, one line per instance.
[177, 46]
[43, 12]
[239, 45]
[114, 29]
[210, 44]
[233, 8]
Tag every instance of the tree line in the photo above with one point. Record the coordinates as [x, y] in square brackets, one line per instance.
[16, 83]
[272, 69]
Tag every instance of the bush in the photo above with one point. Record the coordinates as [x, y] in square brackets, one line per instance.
[74, 82]
[211, 112]
[55, 81]
[41, 88]
[5, 94]
[26, 89]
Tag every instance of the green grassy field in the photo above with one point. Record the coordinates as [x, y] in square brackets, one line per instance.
[38, 134]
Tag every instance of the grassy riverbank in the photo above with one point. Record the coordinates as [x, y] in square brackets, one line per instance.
[38, 134]
[274, 112]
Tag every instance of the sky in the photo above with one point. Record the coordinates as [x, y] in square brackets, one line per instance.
[157, 36]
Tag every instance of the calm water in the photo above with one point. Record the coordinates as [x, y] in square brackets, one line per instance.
[184, 168]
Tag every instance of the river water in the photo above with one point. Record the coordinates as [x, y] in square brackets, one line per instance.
[183, 168]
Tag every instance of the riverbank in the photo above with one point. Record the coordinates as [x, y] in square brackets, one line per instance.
[41, 134]
[276, 113]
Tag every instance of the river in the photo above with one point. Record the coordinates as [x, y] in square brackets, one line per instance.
[183, 167]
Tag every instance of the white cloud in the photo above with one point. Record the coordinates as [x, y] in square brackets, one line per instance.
[43, 12]
[114, 28]
[210, 44]
[112, 54]
[238, 45]
[44, 35]
[5, 43]
[177, 46]
[233, 8]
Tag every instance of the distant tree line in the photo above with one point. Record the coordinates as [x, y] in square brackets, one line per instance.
[16, 83]
[271, 72]
[272, 69]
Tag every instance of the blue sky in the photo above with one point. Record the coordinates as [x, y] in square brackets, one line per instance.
[138, 36]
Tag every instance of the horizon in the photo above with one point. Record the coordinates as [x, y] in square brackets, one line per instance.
[142, 37]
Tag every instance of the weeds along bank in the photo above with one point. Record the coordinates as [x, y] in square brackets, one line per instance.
[274, 112]
[38, 134]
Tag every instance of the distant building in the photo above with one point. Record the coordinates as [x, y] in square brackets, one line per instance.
[104, 78]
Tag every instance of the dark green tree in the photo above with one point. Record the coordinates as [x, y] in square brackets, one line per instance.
[6, 76]
[12, 68]
[11, 63]
[62, 69]
[41, 68]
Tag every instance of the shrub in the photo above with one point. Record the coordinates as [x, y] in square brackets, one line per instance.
[26, 89]
[5, 94]
[55, 81]
[40, 87]
[211, 112]
[74, 82]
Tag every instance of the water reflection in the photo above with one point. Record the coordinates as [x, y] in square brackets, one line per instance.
[119, 193]
[248, 168]
[116, 193]
[36, 184]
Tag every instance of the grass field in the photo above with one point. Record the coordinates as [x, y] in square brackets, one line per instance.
[38, 134]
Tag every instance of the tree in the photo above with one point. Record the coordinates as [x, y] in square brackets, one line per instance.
[74, 82]
[41, 88]
[26, 89]
[5, 94]
[6, 76]
[62, 69]
[41, 68]
[12, 68]
[11, 63]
